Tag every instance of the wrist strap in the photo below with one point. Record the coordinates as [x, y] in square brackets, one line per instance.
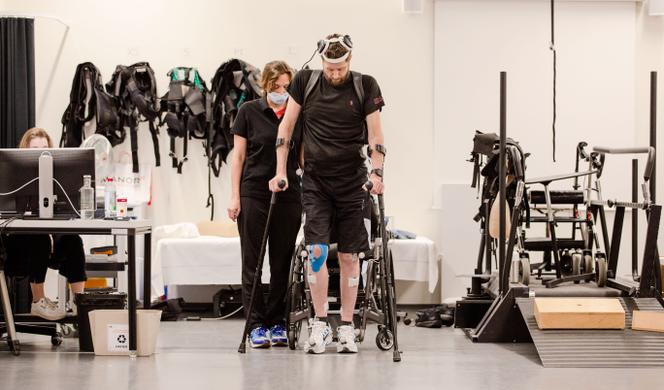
[378, 172]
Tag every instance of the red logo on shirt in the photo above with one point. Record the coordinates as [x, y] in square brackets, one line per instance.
[378, 100]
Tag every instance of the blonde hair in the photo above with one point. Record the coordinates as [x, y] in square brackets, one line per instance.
[35, 132]
[272, 71]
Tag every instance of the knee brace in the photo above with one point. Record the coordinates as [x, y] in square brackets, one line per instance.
[317, 261]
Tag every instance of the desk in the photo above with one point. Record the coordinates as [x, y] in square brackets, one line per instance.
[101, 227]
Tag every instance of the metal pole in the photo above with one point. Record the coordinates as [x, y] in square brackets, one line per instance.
[653, 131]
[501, 179]
[635, 220]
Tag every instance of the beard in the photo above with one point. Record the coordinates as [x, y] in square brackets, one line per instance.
[337, 82]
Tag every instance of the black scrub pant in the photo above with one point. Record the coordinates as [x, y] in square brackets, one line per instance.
[286, 219]
[31, 255]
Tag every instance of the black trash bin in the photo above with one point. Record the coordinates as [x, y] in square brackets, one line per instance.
[89, 301]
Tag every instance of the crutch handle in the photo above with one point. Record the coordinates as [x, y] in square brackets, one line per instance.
[281, 184]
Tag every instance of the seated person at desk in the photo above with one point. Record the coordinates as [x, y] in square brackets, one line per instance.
[32, 254]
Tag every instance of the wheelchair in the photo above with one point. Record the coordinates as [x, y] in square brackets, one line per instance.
[376, 300]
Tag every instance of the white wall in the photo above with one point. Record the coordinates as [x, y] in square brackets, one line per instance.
[649, 57]
[205, 34]
[605, 50]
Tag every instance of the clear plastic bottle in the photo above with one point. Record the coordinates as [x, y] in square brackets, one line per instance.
[110, 197]
[87, 198]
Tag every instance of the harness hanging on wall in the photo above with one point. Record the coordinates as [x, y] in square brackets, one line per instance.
[135, 89]
[185, 108]
[87, 102]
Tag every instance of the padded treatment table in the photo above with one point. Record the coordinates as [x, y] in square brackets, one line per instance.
[415, 259]
[204, 260]
[213, 260]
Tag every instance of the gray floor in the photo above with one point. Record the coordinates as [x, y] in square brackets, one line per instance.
[203, 355]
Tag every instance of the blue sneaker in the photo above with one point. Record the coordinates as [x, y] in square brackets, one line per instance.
[278, 335]
[259, 337]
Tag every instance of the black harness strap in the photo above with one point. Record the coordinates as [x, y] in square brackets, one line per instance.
[174, 158]
[185, 142]
[133, 133]
[208, 151]
[313, 79]
[154, 132]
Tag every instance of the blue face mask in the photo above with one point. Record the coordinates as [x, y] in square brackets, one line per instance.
[278, 98]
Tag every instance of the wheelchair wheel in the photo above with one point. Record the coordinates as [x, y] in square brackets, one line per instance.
[367, 303]
[295, 328]
[293, 335]
[384, 339]
[295, 301]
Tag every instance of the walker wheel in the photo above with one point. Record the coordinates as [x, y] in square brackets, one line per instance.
[385, 339]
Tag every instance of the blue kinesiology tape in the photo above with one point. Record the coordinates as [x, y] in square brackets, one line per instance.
[317, 261]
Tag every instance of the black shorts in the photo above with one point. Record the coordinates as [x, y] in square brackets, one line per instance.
[336, 209]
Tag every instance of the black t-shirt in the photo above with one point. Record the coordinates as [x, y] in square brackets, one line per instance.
[258, 123]
[333, 123]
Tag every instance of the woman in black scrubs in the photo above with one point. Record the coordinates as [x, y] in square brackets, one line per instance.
[252, 166]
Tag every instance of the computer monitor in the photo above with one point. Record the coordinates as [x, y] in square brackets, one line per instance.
[20, 166]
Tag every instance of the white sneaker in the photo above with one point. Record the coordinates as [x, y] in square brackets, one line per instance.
[320, 335]
[346, 339]
[51, 303]
[47, 310]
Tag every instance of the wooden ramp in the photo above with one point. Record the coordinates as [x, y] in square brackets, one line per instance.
[597, 348]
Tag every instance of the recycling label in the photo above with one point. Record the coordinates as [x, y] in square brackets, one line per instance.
[118, 337]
